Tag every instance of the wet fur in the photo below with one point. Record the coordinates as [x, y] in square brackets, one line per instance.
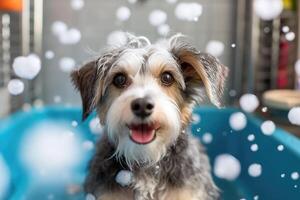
[184, 170]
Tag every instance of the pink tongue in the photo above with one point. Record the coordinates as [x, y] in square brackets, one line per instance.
[142, 137]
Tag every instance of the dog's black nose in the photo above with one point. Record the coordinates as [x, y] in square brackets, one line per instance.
[142, 107]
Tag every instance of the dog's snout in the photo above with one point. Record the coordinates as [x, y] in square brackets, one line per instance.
[142, 107]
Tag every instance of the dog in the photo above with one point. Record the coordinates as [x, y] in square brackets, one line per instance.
[144, 95]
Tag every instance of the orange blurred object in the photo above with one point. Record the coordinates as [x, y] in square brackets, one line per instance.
[11, 5]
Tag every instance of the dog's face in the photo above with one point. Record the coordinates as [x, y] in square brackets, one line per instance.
[145, 93]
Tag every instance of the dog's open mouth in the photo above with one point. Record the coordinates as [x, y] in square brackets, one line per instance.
[142, 133]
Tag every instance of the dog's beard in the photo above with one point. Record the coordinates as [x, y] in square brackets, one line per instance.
[167, 115]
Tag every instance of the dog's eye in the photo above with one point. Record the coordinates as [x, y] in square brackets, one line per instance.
[120, 80]
[167, 78]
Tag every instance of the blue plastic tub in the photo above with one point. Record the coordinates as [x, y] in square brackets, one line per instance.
[274, 183]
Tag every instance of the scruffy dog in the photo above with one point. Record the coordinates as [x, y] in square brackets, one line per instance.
[144, 95]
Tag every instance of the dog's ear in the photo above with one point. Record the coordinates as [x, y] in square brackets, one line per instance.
[84, 80]
[199, 69]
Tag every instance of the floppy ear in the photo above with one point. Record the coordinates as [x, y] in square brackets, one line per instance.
[84, 80]
[199, 69]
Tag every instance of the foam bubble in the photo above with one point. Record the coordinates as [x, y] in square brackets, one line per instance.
[27, 67]
[280, 147]
[215, 48]
[95, 126]
[251, 137]
[237, 121]
[227, 167]
[295, 175]
[254, 147]
[188, 11]
[123, 13]
[58, 27]
[163, 29]
[124, 177]
[49, 54]
[77, 4]
[290, 36]
[15, 87]
[294, 116]
[157, 17]
[117, 38]
[268, 127]
[249, 102]
[207, 138]
[67, 64]
[268, 9]
[255, 170]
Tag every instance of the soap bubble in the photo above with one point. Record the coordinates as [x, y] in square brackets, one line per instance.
[294, 116]
[89, 196]
[249, 102]
[251, 137]
[123, 13]
[4, 178]
[238, 121]
[295, 175]
[77, 4]
[50, 148]
[95, 126]
[188, 11]
[58, 27]
[71, 36]
[117, 38]
[15, 86]
[233, 45]
[227, 167]
[171, 1]
[27, 67]
[196, 119]
[163, 29]
[268, 9]
[88, 145]
[285, 29]
[280, 147]
[157, 17]
[49, 54]
[124, 177]
[255, 170]
[207, 138]
[67, 64]
[268, 127]
[215, 48]
[254, 147]
[290, 36]
[57, 99]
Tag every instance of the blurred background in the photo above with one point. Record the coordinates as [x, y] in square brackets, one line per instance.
[42, 41]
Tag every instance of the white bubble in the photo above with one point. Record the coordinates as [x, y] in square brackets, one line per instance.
[58, 27]
[280, 147]
[282, 175]
[207, 138]
[268, 9]
[57, 99]
[50, 149]
[215, 48]
[295, 175]
[71, 36]
[157, 17]
[15, 87]
[90, 197]
[95, 126]
[38, 103]
[163, 29]
[227, 167]
[26, 107]
[171, 1]
[294, 116]
[49, 54]
[255, 170]
[132, 1]
[256, 197]
[285, 29]
[74, 123]
[4, 178]
[251, 137]
[27, 67]
[124, 177]
[268, 127]
[233, 45]
[67, 64]
[77, 4]
[188, 11]
[117, 38]
[290, 36]
[254, 147]
[249, 102]
[232, 93]
[264, 109]
[196, 118]
[297, 67]
[88, 145]
[123, 13]
[238, 121]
